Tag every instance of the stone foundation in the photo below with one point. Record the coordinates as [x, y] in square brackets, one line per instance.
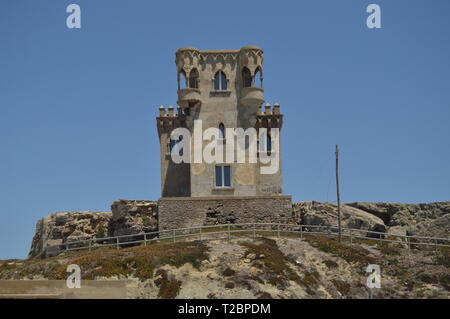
[180, 212]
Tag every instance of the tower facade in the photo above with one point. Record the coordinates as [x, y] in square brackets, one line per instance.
[223, 89]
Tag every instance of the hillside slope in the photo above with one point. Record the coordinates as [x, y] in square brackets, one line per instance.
[312, 267]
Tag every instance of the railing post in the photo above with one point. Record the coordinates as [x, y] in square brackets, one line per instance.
[229, 232]
[117, 243]
[278, 230]
[145, 239]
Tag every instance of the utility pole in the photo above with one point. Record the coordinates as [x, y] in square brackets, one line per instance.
[337, 192]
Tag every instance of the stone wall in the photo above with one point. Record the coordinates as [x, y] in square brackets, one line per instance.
[188, 211]
[133, 217]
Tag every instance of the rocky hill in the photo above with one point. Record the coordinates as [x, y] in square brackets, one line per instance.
[127, 217]
[312, 267]
[132, 217]
[285, 267]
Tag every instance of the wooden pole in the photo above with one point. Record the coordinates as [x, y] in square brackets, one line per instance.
[337, 193]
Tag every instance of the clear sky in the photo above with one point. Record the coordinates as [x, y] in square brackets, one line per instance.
[78, 107]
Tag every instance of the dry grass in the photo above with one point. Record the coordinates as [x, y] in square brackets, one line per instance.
[139, 261]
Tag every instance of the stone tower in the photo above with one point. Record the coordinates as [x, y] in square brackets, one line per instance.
[224, 89]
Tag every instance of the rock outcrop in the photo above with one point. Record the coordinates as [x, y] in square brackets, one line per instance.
[131, 217]
[325, 214]
[128, 217]
[62, 227]
[430, 219]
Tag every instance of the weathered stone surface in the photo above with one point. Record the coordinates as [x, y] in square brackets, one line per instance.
[430, 219]
[133, 217]
[395, 214]
[325, 214]
[439, 227]
[62, 227]
[189, 212]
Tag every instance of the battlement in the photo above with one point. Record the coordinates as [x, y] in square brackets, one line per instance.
[269, 117]
[169, 120]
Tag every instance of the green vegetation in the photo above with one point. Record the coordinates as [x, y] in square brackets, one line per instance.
[342, 286]
[275, 264]
[139, 261]
[350, 253]
[169, 287]
[387, 248]
[443, 257]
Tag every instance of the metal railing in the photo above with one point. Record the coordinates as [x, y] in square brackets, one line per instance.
[226, 231]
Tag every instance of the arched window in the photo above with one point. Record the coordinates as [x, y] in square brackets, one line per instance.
[193, 79]
[182, 80]
[221, 131]
[257, 79]
[246, 77]
[220, 81]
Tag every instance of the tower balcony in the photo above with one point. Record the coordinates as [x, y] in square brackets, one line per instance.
[252, 96]
[187, 96]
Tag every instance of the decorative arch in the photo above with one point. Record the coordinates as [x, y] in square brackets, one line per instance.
[220, 81]
[194, 77]
[258, 77]
[246, 77]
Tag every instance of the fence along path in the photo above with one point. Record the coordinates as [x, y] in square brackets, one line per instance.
[226, 231]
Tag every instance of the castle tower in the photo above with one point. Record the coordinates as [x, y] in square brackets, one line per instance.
[224, 89]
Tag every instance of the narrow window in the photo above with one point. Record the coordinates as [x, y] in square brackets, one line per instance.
[246, 77]
[227, 176]
[218, 176]
[220, 81]
[223, 176]
[221, 131]
[269, 144]
[265, 143]
[193, 79]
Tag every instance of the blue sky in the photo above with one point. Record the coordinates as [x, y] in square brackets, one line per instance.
[78, 107]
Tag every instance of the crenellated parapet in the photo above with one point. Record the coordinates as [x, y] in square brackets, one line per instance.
[169, 120]
[269, 117]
